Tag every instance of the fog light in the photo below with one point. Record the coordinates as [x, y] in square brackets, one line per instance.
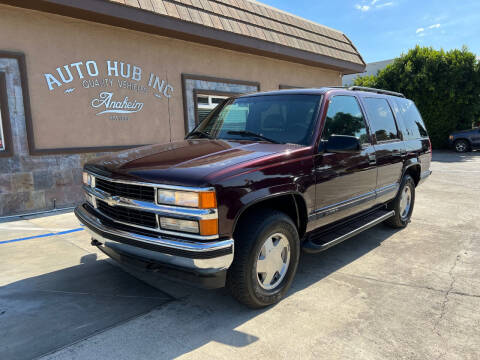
[179, 225]
[88, 179]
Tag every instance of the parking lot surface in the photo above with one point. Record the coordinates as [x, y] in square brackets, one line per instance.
[385, 294]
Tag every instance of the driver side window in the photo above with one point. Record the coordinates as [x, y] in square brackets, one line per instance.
[344, 117]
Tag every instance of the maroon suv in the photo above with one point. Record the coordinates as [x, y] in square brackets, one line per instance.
[262, 177]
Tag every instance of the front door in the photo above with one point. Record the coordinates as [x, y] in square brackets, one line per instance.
[345, 182]
[389, 148]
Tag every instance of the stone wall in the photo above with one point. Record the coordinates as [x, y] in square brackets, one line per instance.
[34, 183]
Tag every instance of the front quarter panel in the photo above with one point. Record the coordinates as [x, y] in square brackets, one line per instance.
[237, 193]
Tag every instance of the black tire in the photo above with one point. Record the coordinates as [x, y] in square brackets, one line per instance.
[398, 221]
[242, 277]
[461, 146]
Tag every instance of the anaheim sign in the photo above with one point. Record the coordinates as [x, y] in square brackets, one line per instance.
[109, 77]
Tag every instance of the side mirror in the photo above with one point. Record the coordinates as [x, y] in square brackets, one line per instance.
[342, 144]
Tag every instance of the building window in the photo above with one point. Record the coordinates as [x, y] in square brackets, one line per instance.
[5, 139]
[196, 88]
[206, 103]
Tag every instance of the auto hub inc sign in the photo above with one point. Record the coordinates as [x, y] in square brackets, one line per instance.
[121, 89]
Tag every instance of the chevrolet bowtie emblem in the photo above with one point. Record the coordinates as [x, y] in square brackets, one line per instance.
[112, 201]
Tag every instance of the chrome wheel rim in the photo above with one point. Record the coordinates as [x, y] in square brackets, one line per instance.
[405, 202]
[460, 146]
[272, 261]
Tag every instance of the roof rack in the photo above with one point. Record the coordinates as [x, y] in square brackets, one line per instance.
[378, 91]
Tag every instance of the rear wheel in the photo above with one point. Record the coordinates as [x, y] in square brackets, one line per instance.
[403, 204]
[267, 250]
[461, 146]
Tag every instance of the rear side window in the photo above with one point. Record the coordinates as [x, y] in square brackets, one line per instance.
[381, 119]
[413, 126]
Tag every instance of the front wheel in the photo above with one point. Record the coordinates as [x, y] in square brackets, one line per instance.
[267, 250]
[402, 204]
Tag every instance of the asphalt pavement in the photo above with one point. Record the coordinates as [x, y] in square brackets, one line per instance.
[384, 294]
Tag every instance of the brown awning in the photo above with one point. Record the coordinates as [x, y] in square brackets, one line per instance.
[243, 25]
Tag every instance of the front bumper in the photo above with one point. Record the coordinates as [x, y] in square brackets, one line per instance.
[193, 261]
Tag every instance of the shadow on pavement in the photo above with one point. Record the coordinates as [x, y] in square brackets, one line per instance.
[213, 316]
[44, 313]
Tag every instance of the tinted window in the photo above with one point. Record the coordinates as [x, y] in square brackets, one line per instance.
[381, 119]
[282, 118]
[344, 117]
[413, 126]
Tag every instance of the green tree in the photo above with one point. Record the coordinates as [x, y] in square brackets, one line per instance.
[444, 85]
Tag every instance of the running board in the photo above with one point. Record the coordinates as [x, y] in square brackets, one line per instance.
[330, 236]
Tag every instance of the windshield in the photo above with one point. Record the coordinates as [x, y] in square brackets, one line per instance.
[274, 118]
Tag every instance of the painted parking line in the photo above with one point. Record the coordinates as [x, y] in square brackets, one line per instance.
[42, 235]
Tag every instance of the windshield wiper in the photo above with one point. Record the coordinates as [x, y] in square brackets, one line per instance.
[200, 132]
[252, 134]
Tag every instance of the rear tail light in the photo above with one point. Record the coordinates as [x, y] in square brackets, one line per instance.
[430, 148]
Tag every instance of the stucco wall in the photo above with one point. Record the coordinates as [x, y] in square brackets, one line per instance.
[67, 119]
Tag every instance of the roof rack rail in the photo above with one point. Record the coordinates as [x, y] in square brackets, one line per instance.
[378, 91]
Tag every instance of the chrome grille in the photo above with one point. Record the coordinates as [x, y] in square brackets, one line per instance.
[127, 215]
[137, 192]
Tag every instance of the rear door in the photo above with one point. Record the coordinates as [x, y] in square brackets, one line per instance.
[389, 148]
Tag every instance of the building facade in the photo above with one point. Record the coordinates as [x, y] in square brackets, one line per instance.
[79, 79]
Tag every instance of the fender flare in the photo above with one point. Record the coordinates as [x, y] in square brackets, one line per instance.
[409, 164]
[294, 194]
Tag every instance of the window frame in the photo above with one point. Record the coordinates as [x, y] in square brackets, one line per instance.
[5, 118]
[395, 120]
[362, 110]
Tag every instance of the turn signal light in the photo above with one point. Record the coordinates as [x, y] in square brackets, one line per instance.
[207, 200]
[209, 227]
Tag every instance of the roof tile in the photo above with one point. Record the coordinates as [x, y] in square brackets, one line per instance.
[171, 9]
[216, 22]
[253, 19]
[159, 7]
[184, 14]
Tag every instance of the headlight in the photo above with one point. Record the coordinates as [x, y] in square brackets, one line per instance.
[202, 200]
[88, 179]
[451, 137]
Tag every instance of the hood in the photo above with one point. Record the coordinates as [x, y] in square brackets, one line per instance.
[188, 162]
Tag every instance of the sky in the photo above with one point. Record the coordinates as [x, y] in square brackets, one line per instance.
[384, 29]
